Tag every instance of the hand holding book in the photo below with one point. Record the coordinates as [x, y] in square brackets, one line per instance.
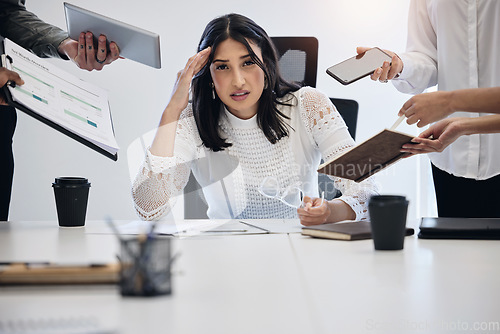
[369, 157]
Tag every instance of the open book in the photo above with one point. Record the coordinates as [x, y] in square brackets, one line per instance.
[369, 157]
[60, 100]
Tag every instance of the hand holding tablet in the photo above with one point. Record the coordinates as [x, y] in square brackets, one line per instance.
[88, 54]
[134, 43]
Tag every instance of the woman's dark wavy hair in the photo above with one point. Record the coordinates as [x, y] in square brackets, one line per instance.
[207, 110]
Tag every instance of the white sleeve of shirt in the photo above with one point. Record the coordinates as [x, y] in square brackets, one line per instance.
[330, 133]
[161, 179]
[420, 59]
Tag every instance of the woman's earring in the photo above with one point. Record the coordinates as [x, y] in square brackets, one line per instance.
[213, 91]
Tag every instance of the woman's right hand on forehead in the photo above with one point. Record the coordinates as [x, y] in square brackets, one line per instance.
[180, 94]
[163, 144]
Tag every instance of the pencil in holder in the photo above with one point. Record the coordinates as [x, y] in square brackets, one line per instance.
[145, 266]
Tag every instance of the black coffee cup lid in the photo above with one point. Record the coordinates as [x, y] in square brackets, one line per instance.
[388, 198]
[382, 200]
[70, 181]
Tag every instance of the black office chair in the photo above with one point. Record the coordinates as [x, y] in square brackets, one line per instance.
[299, 63]
[348, 109]
[298, 59]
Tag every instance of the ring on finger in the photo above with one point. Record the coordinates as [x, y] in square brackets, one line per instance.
[384, 81]
[100, 61]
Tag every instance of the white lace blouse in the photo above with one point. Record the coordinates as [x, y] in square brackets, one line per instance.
[230, 178]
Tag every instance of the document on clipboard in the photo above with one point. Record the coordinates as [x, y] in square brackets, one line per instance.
[60, 100]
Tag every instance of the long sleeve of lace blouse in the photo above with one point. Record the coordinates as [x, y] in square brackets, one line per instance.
[330, 134]
[161, 179]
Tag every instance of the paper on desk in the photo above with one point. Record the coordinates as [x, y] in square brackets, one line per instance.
[170, 228]
[195, 227]
[276, 225]
[188, 228]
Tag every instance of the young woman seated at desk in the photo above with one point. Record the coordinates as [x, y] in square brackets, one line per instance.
[245, 133]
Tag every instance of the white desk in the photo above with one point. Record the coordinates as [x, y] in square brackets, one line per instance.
[275, 283]
[429, 286]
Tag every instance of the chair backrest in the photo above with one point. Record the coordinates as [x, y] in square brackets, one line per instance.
[348, 109]
[298, 59]
[195, 205]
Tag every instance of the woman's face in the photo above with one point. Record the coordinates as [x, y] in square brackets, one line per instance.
[238, 80]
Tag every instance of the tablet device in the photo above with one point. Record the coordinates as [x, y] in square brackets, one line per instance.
[135, 43]
[459, 228]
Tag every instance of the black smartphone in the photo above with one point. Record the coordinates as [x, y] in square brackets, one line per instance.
[359, 66]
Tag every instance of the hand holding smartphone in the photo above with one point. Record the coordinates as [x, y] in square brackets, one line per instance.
[359, 66]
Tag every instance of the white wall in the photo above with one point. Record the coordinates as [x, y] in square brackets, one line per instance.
[139, 93]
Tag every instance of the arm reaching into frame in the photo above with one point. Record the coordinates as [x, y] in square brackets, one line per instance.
[427, 108]
[88, 56]
[441, 134]
[46, 40]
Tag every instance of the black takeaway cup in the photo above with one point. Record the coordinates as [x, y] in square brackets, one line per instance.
[71, 194]
[388, 221]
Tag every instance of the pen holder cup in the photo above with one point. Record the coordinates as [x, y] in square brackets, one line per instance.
[145, 266]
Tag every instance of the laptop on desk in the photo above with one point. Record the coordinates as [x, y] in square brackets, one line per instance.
[459, 228]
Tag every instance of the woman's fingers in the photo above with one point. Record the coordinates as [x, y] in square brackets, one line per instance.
[195, 63]
[8, 75]
[394, 70]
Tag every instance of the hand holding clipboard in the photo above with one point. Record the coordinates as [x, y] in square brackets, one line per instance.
[8, 77]
[58, 99]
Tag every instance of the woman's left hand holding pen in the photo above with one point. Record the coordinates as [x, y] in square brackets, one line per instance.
[315, 211]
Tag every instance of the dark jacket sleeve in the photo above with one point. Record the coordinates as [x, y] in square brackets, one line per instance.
[27, 30]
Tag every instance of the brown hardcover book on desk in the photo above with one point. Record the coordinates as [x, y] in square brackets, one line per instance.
[32, 273]
[369, 157]
[357, 230]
